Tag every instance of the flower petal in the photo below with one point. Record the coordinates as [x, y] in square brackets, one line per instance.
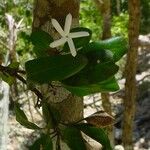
[72, 47]
[78, 34]
[58, 42]
[68, 24]
[58, 27]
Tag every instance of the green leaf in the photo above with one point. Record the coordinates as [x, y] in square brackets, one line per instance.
[41, 41]
[51, 115]
[40, 38]
[44, 143]
[46, 113]
[92, 75]
[102, 72]
[79, 42]
[117, 45]
[109, 85]
[7, 78]
[22, 118]
[40, 51]
[73, 138]
[100, 55]
[97, 134]
[54, 68]
[14, 65]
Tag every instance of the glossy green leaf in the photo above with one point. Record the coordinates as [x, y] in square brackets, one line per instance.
[109, 85]
[97, 134]
[22, 118]
[44, 143]
[40, 51]
[40, 38]
[79, 42]
[102, 72]
[100, 55]
[117, 45]
[93, 75]
[41, 41]
[73, 138]
[53, 68]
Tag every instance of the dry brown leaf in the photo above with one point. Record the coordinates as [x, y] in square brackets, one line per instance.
[100, 119]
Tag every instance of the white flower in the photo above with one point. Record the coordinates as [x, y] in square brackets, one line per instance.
[66, 35]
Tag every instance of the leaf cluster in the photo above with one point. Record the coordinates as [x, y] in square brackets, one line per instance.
[92, 70]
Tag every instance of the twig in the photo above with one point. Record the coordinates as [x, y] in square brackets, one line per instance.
[4, 45]
[37, 110]
[21, 71]
[30, 110]
[14, 73]
[144, 78]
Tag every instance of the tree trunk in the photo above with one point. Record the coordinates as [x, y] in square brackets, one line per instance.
[118, 7]
[4, 87]
[131, 65]
[107, 107]
[12, 38]
[69, 106]
[4, 109]
[105, 10]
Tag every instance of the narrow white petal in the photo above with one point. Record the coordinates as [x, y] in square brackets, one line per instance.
[58, 27]
[68, 24]
[72, 47]
[78, 34]
[58, 42]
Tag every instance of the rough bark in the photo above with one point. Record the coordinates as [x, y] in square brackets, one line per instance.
[69, 106]
[131, 65]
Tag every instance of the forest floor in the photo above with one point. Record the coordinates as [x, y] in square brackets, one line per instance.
[20, 138]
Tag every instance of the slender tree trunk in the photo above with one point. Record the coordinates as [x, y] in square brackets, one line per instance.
[118, 7]
[12, 38]
[4, 109]
[131, 65]
[69, 106]
[105, 10]
[4, 87]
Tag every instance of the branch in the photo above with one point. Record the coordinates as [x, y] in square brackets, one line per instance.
[14, 73]
[146, 76]
[4, 45]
